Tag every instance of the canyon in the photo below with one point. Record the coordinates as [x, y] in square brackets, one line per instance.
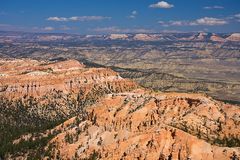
[119, 80]
[94, 113]
[171, 62]
[119, 96]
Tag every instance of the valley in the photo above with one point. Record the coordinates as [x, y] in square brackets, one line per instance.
[144, 96]
[180, 62]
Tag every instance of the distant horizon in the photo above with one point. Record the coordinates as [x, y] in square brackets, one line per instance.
[32, 32]
[108, 16]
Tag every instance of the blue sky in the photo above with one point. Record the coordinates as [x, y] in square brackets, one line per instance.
[120, 16]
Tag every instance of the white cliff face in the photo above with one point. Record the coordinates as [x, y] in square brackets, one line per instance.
[234, 37]
[146, 37]
[118, 36]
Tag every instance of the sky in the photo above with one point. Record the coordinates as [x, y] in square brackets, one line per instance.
[120, 16]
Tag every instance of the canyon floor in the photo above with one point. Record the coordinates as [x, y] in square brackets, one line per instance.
[170, 62]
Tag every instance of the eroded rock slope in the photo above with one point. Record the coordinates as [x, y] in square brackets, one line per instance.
[119, 121]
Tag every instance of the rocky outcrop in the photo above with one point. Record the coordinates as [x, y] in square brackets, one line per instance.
[234, 37]
[146, 37]
[146, 125]
[110, 117]
[32, 91]
[201, 36]
[25, 78]
[216, 38]
[118, 36]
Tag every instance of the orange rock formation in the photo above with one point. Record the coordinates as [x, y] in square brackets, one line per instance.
[19, 78]
[142, 125]
[133, 124]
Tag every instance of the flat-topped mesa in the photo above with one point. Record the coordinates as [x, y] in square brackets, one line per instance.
[21, 78]
[234, 37]
[118, 36]
[145, 37]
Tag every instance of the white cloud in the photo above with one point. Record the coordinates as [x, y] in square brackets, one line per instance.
[75, 18]
[115, 29]
[206, 21]
[89, 18]
[78, 18]
[174, 23]
[48, 28]
[162, 22]
[213, 7]
[166, 23]
[178, 23]
[209, 21]
[60, 19]
[133, 14]
[161, 4]
[233, 18]
[237, 15]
